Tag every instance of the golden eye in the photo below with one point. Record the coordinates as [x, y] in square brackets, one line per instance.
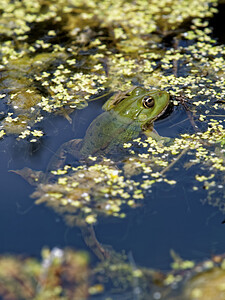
[148, 101]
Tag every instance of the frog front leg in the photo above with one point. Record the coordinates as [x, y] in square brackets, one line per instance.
[58, 160]
[151, 132]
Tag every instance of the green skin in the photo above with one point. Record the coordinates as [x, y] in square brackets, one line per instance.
[125, 117]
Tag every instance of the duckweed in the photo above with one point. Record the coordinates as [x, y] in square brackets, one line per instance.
[82, 48]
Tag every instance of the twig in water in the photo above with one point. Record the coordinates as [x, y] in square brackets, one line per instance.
[174, 161]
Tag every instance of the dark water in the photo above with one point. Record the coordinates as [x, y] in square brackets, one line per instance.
[172, 217]
[26, 227]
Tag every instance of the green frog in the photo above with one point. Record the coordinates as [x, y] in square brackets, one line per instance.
[126, 116]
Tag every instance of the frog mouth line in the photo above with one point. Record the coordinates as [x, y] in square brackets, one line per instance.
[162, 113]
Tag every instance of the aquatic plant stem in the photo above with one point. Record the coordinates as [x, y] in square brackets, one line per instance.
[174, 161]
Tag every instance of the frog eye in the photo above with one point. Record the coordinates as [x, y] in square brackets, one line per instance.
[148, 101]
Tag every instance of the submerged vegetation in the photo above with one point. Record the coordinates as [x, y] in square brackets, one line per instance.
[66, 275]
[61, 275]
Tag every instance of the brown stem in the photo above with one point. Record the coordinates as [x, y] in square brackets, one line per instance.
[174, 161]
[92, 242]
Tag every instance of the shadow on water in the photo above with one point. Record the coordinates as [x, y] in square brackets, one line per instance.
[217, 23]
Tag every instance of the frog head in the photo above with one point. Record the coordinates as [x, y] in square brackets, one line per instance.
[140, 105]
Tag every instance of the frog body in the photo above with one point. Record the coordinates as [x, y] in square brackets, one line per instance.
[115, 129]
[125, 117]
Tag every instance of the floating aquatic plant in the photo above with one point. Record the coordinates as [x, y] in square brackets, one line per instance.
[55, 55]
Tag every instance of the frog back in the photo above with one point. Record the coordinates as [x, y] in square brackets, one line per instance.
[107, 132]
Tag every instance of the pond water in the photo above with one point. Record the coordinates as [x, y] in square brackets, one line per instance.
[58, 64]
[171, 217]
